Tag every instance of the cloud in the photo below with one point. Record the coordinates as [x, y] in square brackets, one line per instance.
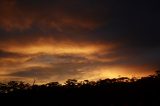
[45, 67]
[58, 15]
[58, 72]
[76, 38]
[57, 20]
[7, 54]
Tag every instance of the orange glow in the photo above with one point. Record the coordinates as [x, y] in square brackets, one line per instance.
[118, 71]
[56, 49]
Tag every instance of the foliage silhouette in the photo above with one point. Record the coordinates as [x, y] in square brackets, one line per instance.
[108, 92]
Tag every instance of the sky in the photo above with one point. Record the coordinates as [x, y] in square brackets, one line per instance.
[56, 40]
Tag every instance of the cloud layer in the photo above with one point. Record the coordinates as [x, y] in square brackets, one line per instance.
[54, 40]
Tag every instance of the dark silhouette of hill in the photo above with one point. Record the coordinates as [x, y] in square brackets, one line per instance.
[108, 92]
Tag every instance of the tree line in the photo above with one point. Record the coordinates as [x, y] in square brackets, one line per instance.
[120, 91]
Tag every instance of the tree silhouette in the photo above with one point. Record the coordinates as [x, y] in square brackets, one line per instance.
[108, 92]
[71, 83]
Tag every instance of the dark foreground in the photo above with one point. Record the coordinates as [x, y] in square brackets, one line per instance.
[108, 92]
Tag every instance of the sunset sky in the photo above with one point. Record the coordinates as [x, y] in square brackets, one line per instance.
[56, 40]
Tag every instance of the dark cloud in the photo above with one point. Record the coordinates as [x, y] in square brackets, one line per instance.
[60, 72]
[56, 15]
[23, 20]
[7, 54]
[56, 59]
